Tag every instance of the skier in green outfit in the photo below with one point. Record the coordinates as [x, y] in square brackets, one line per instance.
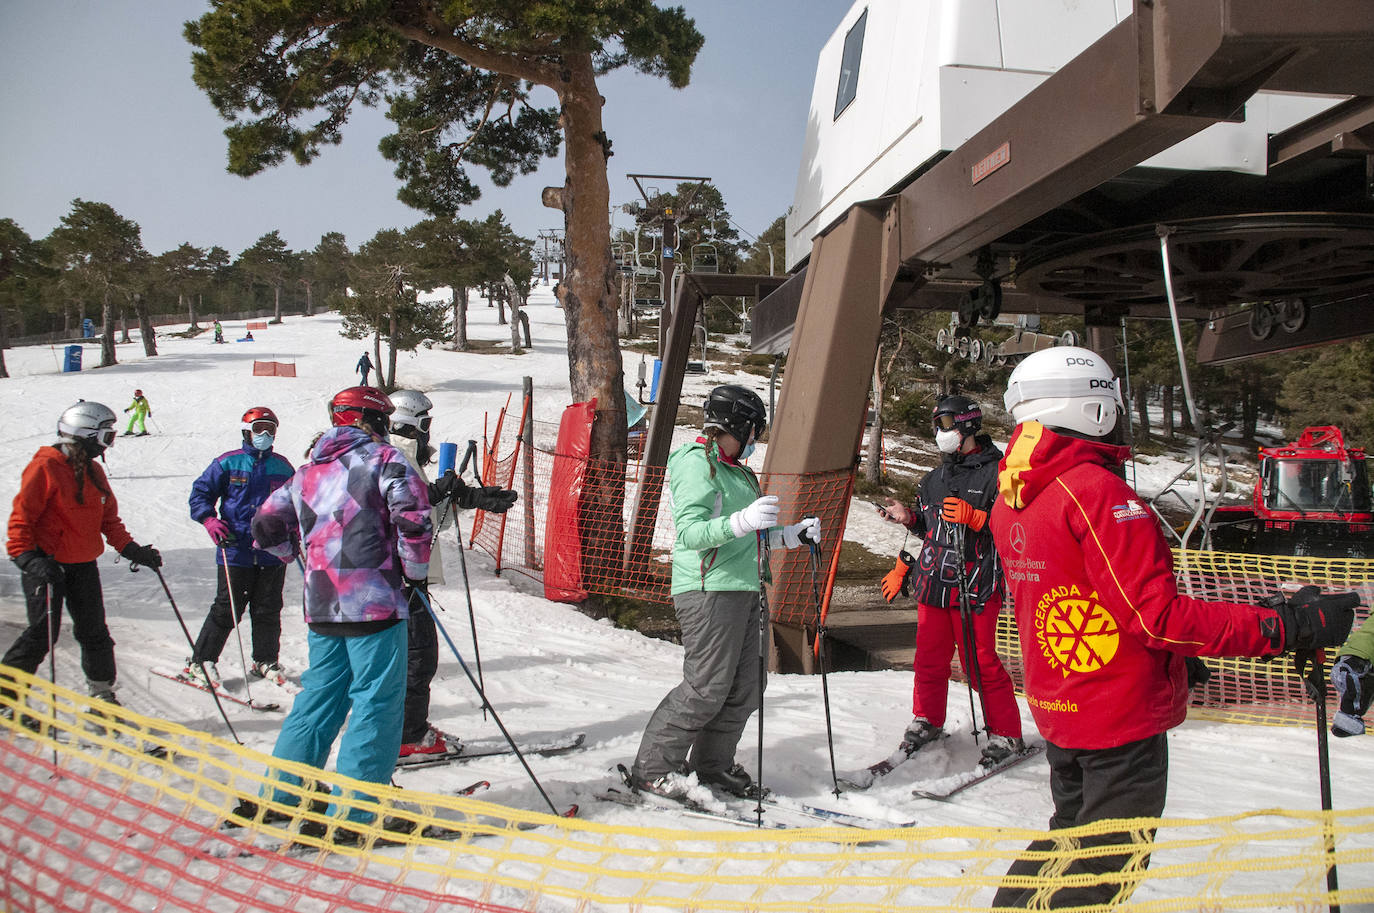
[1352, 675]
[141, 410]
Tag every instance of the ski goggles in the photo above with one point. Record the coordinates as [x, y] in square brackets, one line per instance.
[105, 435]
[263, 426]
[946, 422]
[421, 422]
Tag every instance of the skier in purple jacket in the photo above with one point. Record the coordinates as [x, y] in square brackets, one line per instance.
[362, 519]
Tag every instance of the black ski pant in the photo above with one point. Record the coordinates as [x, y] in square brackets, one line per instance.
[422, 661]
[1128, 781]
[256, 589]
[80, 591]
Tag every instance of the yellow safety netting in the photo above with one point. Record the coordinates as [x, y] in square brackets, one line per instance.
[92, 821]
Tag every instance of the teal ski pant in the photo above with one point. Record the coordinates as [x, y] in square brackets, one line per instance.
[366, 675]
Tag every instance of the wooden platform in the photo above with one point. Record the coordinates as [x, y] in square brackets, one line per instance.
[866, 633]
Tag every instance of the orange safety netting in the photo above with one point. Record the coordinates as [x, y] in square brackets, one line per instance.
[274, 369]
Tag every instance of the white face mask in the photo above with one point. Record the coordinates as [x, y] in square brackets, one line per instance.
[948, 441]
[263, 441]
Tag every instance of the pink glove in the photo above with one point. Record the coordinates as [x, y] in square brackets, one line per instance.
[219, 531]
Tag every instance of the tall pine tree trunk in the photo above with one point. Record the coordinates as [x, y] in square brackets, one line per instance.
[276, 293]
[594, 363]
[309, 299]
[124, 325]
[145, 325]
[1168, 404]
[1142, 408]
[107, 320]
[391, 351]
[4, 343]
[460, 318]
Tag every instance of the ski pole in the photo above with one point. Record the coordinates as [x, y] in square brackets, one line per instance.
[486, 704]
[234, 614]
[1315, 684]
[469, 454]
[821, 658]
[52, 662]
[187, 631]
[765, 575]
[975, 674]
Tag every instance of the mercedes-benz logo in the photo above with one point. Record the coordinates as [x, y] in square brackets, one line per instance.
[1018, 538]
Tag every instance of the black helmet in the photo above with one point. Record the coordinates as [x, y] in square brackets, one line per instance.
[737, 411]
[957, 413]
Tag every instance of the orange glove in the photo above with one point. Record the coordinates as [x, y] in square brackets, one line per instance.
[898, 580]
[957, 510]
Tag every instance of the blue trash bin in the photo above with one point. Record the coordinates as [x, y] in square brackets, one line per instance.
[72, 360]
[88, 328]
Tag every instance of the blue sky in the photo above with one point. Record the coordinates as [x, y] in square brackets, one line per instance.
[99, 104]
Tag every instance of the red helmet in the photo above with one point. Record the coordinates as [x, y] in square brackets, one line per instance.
[138, 393]
[366, 403]
[258, 414]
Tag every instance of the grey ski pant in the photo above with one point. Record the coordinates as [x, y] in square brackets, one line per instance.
[706, 714]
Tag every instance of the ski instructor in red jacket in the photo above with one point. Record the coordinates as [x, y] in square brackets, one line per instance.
[1104, 630]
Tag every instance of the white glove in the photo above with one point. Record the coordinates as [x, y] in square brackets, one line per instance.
[807, 532]
[762, 514]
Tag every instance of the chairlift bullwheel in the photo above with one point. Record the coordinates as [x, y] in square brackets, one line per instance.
[1293, 314]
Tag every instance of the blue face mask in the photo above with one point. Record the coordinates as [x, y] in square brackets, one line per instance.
[746, 450]
[263, 441]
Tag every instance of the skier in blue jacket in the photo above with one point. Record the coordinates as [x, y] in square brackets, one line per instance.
[238, 481]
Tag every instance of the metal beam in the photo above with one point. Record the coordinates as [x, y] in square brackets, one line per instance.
[1229, 339]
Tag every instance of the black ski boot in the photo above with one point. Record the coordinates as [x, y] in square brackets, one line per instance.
[734, 780]
[999, 748]
[920, 733]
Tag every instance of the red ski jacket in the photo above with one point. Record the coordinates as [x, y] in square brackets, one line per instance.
[1103, 627]
[47, 516]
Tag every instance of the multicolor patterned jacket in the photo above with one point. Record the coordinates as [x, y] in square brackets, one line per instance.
[362, 516]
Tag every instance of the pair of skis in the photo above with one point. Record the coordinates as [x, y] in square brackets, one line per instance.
[943, 788]
[489, 749]
[223, 693]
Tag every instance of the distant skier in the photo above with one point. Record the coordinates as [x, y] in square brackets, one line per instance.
[364, 368]
[64, 507]
[1104, 631]
[410, 425]
[219, 332]
[361, 517]
[952, 506]
[223, 500]
[141, 410]
[718, 512]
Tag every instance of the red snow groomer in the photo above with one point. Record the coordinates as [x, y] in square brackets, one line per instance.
[1312, 498]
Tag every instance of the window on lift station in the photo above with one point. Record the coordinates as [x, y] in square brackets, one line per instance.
[849, 64]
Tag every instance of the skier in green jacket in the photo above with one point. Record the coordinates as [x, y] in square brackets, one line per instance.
[1352, 675]
[718, 512]
[141, 410]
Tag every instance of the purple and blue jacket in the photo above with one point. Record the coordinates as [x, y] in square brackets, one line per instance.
[362, 516]
[238, 481]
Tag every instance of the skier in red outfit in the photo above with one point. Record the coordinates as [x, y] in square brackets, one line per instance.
[951, 509]
[1104, 631]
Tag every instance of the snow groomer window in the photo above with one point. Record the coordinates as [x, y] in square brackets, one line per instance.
[849, 65]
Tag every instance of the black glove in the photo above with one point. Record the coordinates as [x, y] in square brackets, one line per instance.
[145, 555]
[491, 498]
[1310, 620]
[45, 567]
[448, 485]
[1198, 673]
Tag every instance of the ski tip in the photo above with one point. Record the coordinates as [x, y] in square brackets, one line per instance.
[572, 811]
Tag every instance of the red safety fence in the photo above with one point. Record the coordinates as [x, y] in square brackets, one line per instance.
[274, 369]
[594, 545]
[256, 325]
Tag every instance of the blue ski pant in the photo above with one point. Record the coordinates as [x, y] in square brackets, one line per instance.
[365, 674]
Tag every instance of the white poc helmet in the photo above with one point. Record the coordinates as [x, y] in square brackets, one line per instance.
[88, 422]
[412, 411]
[1065, 387]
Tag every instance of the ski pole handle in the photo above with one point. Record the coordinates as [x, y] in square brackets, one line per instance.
[448, 456]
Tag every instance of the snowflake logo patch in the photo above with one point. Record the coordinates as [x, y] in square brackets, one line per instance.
[1074, 631]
